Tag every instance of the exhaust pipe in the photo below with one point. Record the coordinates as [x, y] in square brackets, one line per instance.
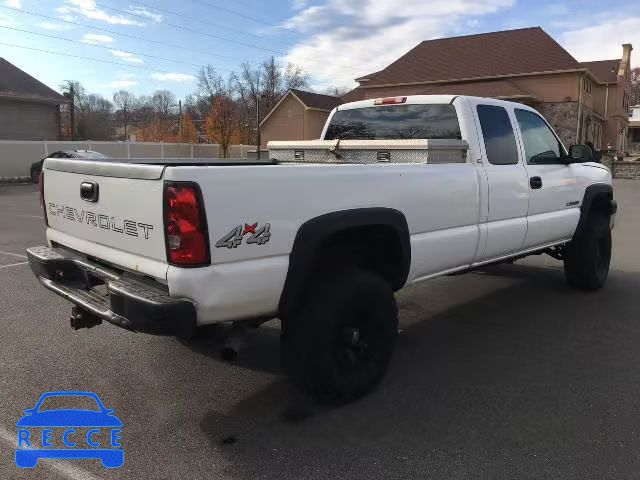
[83, 319]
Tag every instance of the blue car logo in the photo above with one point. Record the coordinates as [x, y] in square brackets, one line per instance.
[85, 433]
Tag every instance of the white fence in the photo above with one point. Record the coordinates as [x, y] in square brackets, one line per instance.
[17, 156]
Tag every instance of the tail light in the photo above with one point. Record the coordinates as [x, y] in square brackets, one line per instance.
[186, 234]
[389, 100]
[41, 190]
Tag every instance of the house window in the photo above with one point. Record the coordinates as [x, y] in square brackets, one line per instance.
[587, 86]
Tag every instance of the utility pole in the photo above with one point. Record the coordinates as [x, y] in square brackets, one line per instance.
[124, 117]
[72, 111]
[180, 108]
[258, 126]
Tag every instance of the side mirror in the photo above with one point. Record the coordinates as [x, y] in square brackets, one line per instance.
[580, 154]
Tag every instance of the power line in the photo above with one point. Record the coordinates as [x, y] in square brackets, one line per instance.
[113, 32]
[136, 37]
[279, 52]
[85, 58]
[107, 48]
[187, 29]
[238, 14]
[195, 19]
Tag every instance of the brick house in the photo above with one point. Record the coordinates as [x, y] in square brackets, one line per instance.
[298, 115]
[29, 110]
[583, 101]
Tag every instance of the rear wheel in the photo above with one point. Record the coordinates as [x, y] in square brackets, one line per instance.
[35, 176]
[587, 257]
[338, 346]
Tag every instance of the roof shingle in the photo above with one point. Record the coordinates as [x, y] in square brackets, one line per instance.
[317, 100]
[14, 83]
[605, 70]
[510, 52]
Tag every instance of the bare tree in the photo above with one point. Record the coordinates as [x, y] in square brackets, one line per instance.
[295, 77]
[266, 84]
[211, 84]
[125, 101]
[73, 90]
[163, 102]
[95, 118]
[335, 91]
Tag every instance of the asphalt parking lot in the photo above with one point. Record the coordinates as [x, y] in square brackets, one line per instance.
[505, 373]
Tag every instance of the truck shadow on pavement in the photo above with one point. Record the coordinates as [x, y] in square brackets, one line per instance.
[515, 382]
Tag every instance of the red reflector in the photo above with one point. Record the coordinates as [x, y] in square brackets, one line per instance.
[390, 100]
[41, 191]
[185, 225]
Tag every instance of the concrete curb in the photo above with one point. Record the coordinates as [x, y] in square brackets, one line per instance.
[13, 180]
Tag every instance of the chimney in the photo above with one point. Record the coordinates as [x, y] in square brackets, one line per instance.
[625, 63]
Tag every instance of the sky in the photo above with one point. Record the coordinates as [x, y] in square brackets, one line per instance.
[161, 44]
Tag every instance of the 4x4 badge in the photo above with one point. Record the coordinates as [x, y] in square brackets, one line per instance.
[233, 239]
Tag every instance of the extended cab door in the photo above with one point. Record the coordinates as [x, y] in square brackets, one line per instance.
[554, 203]
[508, 189]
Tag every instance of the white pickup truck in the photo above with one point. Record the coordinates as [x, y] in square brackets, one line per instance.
[399, 190]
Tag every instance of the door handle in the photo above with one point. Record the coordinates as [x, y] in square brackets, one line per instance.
[535, 182]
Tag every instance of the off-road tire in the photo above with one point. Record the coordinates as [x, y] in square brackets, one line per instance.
[588, 255]
[338, 344]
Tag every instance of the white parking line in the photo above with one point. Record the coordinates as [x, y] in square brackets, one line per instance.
[13, 264]
[19, 255]
[64, 469]
[22, 215]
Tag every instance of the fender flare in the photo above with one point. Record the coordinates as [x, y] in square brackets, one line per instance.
[314, 232]
[590, 194]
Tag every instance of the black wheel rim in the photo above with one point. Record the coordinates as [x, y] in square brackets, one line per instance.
[354, 342]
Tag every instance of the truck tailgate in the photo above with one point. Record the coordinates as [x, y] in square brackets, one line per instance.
[120, 208]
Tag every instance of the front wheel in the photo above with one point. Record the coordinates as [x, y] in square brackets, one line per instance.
[588, 256]
[338, 345]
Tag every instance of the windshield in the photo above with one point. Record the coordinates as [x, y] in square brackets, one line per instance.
[395, 122]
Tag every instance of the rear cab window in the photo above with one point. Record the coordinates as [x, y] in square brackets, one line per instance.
[497, 132]
[395, 122]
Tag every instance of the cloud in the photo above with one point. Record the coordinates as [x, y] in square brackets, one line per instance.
[156, 17]
[126, 56]
[299, 4]
[89, 9]
[13, 3]
[6, 20]
[604, 41]
[96, 38]
[56, 27]
[349, 38]
[119, 84]
[173, 77]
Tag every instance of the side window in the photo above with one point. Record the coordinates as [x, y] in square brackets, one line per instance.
[499, 140]
[540, 143]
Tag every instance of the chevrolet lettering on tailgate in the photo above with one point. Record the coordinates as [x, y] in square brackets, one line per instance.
[101, 220]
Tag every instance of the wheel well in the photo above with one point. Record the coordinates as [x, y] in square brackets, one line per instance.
[376, 248]
[375, 239]
[601, 203]
[597, 198]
